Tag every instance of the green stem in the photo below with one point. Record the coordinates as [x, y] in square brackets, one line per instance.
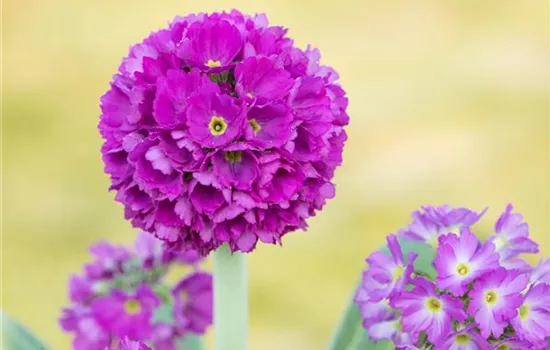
[346, 332]
[230, 300]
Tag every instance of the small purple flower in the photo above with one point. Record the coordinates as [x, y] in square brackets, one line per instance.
[514, 344]
[424, 310]
[236, 166]
[127, 344]
[164, 336]
[512, 235]
[193, 302]
[109, 260]
[127, 315]
[260, 77]
[80, 290]
[214, 120]
[89, 335]
[465, 339]
[541, 273]
[381, 321]
[461, 259]
[269, 125]
[427, 226]
[212, 43]
[495, 299]
[387, 275]
[533, 318]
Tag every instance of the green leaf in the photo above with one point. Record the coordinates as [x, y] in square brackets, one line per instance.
[17, 337]
[350, 334]
[190, 342]
[164, 314]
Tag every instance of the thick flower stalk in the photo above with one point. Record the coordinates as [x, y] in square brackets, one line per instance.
[218, 130]
[483, 295]
[122, 298]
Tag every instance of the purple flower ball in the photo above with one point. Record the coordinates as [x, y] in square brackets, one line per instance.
[218, 130]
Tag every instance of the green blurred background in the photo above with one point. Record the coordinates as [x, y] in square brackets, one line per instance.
[448, 100]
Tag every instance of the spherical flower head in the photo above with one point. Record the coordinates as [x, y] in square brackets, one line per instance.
[425, 310]
[466, 339]
[127, 344]
[127, 314]
[541, 273]
[193, 302]
[386, 274]
[533, 317]
[432, 222]
[495, 299]
[512, 235]
[218, 130]
[462, 259]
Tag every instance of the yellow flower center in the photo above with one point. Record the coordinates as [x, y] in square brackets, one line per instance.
[463, 269]
[234, 156]
[491, 297]
[398, 273]
[524, 311]
[217, 125]
[213, 64]
[503, 347]
[499, 242]
[433, 304]
[255, 126]
[462, 339]
[132, 307]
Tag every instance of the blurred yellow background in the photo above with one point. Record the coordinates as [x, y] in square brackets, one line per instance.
[448, 100]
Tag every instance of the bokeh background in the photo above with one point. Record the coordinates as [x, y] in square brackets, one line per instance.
[449, 104]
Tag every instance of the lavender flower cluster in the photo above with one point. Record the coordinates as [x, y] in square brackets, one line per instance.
[218, 130]
[483, 297]
[122, 297]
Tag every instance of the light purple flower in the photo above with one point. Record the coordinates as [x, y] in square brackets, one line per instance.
[533, 317]
[512, 235]
[127, 315]
[193, 302]
[381, 321]
[465, 339]
[514, 344]
[495, 299]
[425, 310]
[126, 344]
[220, 116]
[462, 259]
[386, 274]
[541, 273]
[432, 222]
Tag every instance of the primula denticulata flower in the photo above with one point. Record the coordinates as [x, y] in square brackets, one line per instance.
[219, 130]
[113, 303]
[483, 296]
